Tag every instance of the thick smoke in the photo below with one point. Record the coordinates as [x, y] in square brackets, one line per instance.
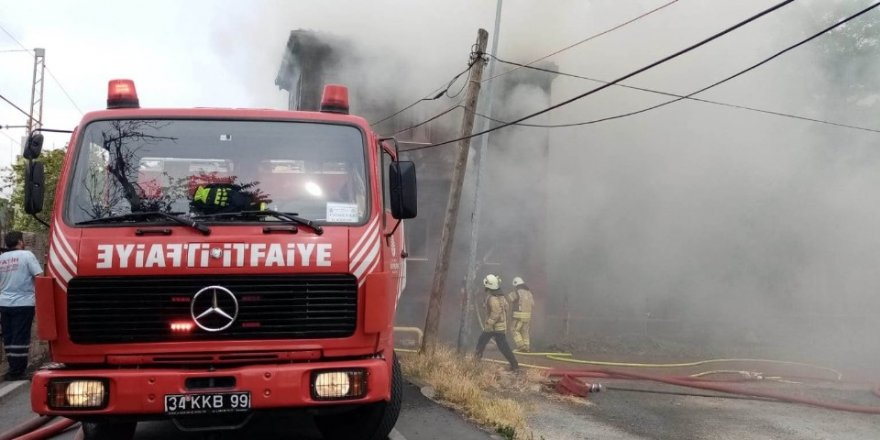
[733, 231]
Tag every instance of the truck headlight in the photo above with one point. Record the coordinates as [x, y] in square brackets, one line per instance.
[78, 393]
[339, 384]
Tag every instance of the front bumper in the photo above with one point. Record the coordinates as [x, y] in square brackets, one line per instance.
[142, 391]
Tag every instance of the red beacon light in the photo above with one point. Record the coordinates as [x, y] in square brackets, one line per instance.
[335, 99]
[122, 94]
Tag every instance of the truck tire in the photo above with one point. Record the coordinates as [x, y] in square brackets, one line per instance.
[371, 422]
[109, 431]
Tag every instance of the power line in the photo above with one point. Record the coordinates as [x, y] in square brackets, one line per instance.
[17, 108]
[457, 105]
[52, 75]
[590, 38]
[621, 79]
[659, 92]
[13, 38]
[437, 93]
[10, 137]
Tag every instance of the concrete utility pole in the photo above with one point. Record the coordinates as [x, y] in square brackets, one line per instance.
[464, 325]
[36, 118]
[447, 237]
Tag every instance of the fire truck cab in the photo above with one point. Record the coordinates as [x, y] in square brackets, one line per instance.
[209, 266]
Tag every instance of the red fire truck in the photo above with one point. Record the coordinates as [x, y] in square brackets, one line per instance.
[210, 266]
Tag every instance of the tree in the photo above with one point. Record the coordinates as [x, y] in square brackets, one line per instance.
[53, 160]
[848, 57]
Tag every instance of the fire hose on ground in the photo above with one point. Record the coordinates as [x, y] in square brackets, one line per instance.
[38, 428]
[692, 382]
[697, 380]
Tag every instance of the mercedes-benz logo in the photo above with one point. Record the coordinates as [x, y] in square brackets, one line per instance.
[214, 308]
[216, 253]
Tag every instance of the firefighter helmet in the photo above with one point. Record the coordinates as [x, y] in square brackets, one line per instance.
[517, 281]
[492, 282]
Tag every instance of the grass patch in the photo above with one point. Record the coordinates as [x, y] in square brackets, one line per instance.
[480, 390]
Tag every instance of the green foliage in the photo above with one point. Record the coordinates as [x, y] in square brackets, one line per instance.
[507, 432]
[848, 54]
[53, 160]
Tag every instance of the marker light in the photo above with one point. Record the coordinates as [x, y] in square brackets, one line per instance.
[122, 94]
[335, 99]
[181, 327]
[78, 394]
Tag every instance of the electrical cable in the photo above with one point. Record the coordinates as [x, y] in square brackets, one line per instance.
[63, 90]
[436, 94]
[8, 136]
[590, 38]
[621, 79]
[18, 108]
[51, 75]
[458, 105]
[659, 92]
[13, 38]
[463, 86]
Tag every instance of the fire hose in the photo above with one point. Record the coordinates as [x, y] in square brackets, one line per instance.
[567, 357]
[38, 428]
[703, 384]
[25, 427]
[50, 430]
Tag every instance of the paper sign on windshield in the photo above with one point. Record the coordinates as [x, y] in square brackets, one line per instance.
[342, 212]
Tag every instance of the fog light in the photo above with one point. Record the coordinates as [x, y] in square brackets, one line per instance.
[78, 393]
[346, 384]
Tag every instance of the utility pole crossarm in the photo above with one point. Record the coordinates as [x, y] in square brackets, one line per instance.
[441, 268]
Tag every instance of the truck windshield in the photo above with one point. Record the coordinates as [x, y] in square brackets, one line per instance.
[201, 168]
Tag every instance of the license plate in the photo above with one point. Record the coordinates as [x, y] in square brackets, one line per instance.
[207, 403]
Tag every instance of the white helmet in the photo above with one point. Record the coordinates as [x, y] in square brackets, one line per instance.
[518, 281]
[492, 282]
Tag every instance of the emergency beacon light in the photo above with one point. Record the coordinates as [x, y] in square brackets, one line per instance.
[122, 94]
[335, 99]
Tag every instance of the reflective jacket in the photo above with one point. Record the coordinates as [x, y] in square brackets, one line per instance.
[496, 313]
[522, 301]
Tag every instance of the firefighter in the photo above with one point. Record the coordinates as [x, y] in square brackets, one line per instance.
[18, 267]
[522, 302]
[495, 325]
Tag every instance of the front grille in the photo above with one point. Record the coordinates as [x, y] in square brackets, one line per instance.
[143, 309]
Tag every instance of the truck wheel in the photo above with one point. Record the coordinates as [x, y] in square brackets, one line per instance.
[109, 431]
[371, 422]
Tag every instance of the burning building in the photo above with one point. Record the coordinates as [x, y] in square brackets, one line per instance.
[512, 241]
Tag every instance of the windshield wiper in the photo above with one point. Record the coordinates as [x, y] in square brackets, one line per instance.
[142, 215]
[288, 217]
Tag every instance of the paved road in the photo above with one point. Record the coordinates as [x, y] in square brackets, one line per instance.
[420, 419]
[629, 415]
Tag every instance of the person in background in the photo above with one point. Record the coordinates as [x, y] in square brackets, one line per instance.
[495, 326]
[18, 267]
[522, 301]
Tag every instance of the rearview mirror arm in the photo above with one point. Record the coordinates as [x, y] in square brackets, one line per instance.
[393, 230]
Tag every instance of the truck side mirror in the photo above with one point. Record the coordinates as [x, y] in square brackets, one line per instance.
[402, 182]
[34, 189]
[34, 146]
